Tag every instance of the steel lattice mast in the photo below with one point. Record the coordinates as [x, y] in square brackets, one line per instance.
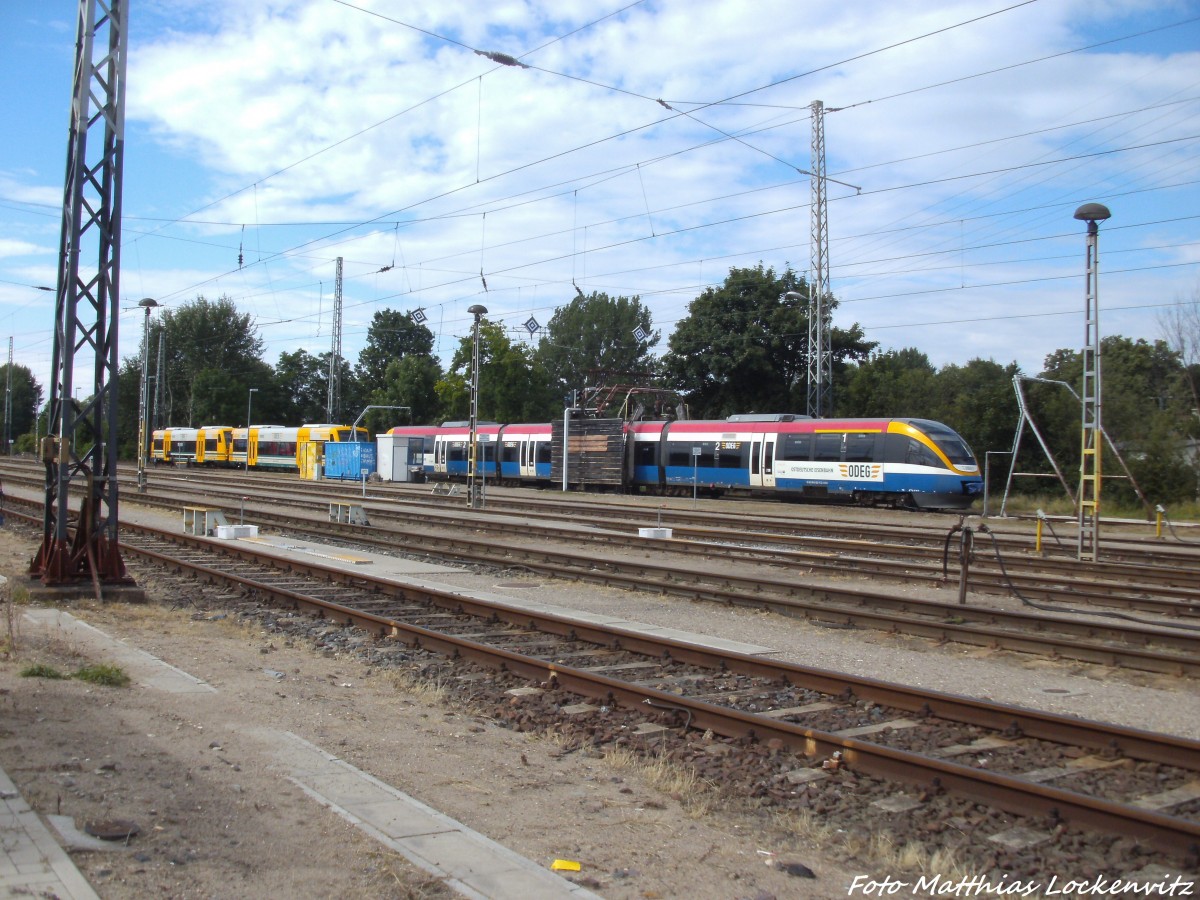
[1092, 428]
[820, 356]
[335, 355]
[81, 448]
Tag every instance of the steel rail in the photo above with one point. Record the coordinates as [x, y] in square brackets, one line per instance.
[835, 605]
[1087, 641]
[716, 528]
[1003, 791]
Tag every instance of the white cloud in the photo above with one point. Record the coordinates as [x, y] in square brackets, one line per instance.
[608, 190]
[10, 248]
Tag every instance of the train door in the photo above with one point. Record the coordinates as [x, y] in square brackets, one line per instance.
[528, 459]
[762, 463]
[439, 454]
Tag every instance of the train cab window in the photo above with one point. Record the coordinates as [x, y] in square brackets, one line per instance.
[829, 447]
[948, 442]
[795, 447]
[157, 444]
[917, 454]
[860, 448]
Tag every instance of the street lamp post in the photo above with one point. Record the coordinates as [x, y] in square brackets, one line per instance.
[249, 402]
[1089, 461]
[147, 303]
[472, 489]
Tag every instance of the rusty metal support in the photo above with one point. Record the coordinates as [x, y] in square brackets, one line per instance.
[81, 449]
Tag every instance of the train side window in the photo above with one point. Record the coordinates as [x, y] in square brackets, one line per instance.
[796, 447]
[679, 454]
[544, 449]
[644, 454]
[769, 458]
[731, 457]
[860, 448]
[508, 453]
[829, 448]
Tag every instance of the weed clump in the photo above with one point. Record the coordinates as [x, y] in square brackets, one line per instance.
[41, 670]
[103, 674]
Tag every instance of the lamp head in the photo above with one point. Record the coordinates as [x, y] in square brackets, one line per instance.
[1092, 212]
[477, 310]
[148, 303]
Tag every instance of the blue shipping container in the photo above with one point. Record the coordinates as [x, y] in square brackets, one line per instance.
[346, 461]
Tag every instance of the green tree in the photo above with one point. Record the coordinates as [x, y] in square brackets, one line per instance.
[392, 335]
[511, 387]
[206, 335]
[129, 386]
[891, 383]
[304, 381]
[1140, 413]
[743, 347]
[978, 401]
[593, 341]
[24, 400]
[410, 381]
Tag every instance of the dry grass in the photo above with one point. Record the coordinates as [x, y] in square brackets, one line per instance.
[697, 795]
[12, 597]
[877, 849]
[433, 691]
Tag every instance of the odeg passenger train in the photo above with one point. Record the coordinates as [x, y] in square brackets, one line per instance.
[916, 463]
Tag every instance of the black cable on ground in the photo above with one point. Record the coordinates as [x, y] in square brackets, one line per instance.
[1170, 526]
[1070, 609]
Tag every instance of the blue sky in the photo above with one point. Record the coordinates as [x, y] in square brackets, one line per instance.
[298, 132]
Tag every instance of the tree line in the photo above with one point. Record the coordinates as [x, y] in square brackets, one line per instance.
[742, 347]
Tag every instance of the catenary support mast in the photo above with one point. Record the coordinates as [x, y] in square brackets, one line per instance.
[335, 354]
[80, 452]
[820, 356]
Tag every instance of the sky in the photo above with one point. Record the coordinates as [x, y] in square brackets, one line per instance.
[639, 149]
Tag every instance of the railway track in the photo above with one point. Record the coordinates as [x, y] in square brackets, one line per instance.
[702, 571]
[1162, 581]
[1093, 776]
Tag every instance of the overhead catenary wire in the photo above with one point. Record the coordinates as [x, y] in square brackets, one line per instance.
[587, 225]
[512, 170]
